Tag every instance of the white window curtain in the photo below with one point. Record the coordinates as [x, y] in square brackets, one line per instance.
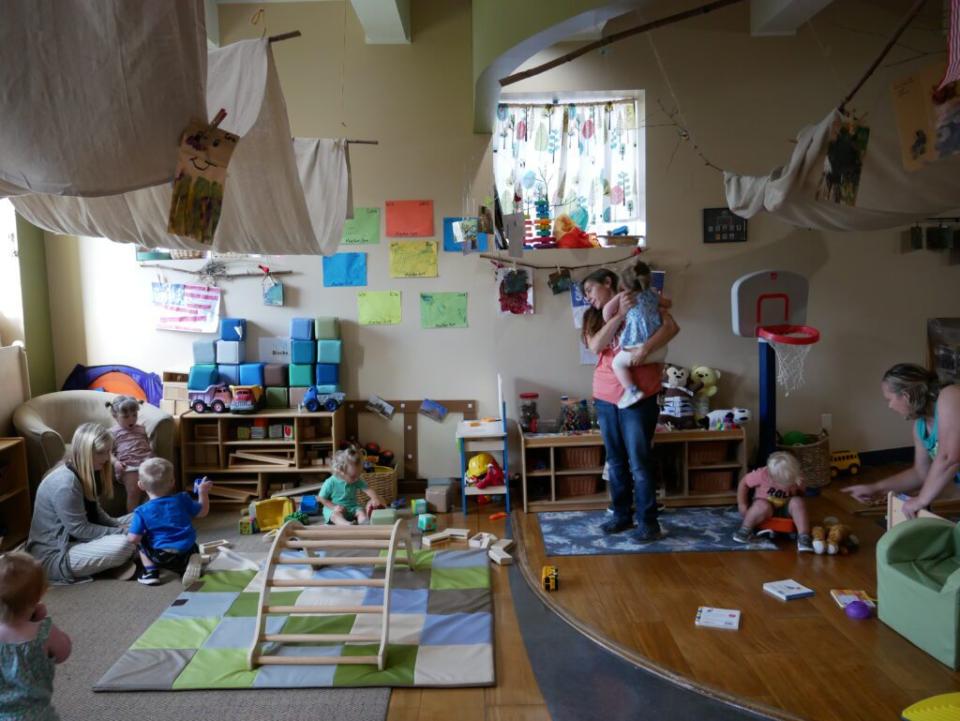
[583, 158]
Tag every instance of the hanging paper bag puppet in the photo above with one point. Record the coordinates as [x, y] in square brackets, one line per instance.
[198, 183]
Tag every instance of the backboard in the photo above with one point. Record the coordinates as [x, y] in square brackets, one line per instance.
[767, 297]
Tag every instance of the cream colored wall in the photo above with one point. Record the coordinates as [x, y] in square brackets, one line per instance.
[743, 98]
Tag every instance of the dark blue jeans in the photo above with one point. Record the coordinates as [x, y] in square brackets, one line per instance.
[628, 436]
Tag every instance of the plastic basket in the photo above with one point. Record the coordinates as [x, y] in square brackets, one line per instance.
[814, 459]
[577, 485]
[580, 457]
[381, 479]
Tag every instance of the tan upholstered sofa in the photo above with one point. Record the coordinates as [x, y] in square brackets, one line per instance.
[48, 422]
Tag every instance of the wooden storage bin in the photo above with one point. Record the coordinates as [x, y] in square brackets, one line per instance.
[719, 481]
[580, 457]
[577, 485]
[707, 452]
[206, 431]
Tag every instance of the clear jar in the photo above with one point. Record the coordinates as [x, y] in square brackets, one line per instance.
[529, 415]
[568, 415]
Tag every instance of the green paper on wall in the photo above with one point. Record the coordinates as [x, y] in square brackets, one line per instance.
[378, 307]
[443, 310]
[413, 259]
[362, 228]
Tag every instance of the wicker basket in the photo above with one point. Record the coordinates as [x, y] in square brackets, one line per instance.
[707, 452]
[577, 485]
[381, 479]
[814, 457]
[719, 481]
[572, 457]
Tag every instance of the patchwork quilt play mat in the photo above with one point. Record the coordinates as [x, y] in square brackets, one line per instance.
[577, 533]
[441, 627]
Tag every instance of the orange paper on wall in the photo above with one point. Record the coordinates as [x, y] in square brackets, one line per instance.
[409, 218]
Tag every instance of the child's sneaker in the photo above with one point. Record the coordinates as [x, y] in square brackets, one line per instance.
[804, 543]
[149, 577]
[629, 397]
[742, 535]
[194, 567]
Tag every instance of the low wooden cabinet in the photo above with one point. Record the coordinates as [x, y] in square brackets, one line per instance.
[14, 493]
[563, 471]
[297, 448]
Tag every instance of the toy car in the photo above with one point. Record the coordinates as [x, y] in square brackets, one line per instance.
[848, 461]
[550, 578]
[216, 398]
[314, 401]
[246, 399]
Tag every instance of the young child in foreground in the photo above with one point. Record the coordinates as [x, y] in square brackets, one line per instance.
[641, 321]
[777, 490]
[339, 492]
[30, 644]
[162, 528]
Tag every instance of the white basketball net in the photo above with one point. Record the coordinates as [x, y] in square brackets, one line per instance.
[790, 360]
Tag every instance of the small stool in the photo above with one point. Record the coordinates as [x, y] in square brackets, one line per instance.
[777, 524]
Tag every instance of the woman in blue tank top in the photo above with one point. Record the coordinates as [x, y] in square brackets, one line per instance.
[915, 393]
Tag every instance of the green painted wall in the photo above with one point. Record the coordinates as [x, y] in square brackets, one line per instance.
[38, 336]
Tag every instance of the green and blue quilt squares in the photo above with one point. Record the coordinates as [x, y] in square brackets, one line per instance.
[403, 577]
[461, 665]
[340, 624]
[358, 572]
[246, 603]
[398, 669]
[405, 628]
[220, 581]
[402, 600]
[461, 559]
[200, 605]
[149, 669]
[333, 596]
[237, 631]
[459, 600]
[456, 628]
[422, 559]
[176, 633]
[217, 668]
[299, 676]
[469, 577]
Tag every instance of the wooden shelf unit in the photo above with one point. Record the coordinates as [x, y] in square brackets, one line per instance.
[692, 468]
[14, 493]
[209, 446]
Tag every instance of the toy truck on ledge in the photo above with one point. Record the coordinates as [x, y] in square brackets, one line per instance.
[216, 398]
[246, 399]
[313, 400]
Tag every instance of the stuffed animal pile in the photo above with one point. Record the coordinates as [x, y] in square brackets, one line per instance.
[833, 538]
[676, 399]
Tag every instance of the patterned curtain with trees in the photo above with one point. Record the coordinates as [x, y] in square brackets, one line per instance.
[583, 158]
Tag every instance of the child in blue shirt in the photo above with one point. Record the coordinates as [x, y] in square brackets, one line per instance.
[640, 322]
[162, 528]
[30, 644]
[339, 492]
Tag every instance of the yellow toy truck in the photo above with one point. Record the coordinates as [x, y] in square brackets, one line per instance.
[550, 578]
[844, 461]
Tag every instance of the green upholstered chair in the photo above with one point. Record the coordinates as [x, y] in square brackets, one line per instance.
[918, 585]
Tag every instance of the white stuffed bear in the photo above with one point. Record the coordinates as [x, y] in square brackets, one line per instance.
[727, 418]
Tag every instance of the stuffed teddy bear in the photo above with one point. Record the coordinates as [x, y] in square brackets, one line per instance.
[568, 235]
[726, 419]
[708, 377]
[676, 399]
[834, 539]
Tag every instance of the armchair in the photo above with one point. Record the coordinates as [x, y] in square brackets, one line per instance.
[918, 585]
[48, 422]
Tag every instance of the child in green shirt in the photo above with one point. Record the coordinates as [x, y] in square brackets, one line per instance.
[339, 492]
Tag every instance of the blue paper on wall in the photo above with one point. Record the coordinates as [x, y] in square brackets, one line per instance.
[450, 244]
[344, 269]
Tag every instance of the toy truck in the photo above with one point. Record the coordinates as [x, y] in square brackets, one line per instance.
[841, 461]
[246, 399]
[314, 401]
[216, 398]
[550, 578]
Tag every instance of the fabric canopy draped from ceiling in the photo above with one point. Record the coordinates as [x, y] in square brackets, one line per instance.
[281, 197]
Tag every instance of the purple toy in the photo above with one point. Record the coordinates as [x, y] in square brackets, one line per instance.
[858, 610]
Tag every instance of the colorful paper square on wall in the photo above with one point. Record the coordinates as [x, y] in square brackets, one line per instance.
[413, 259]
[409, 218]
[363, 228]
[378, 307]
[443, 310]
[345, 269]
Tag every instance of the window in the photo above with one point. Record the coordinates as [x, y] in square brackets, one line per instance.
[584, 158]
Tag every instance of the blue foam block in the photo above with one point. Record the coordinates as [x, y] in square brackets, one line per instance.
[202, 376]
[328, 373]
[229, 373]
[301, 375]
[303, 351]
[329, 351]
[233, 328]
[231, 351]
[204, 352]
[251, 374]
[301, 328]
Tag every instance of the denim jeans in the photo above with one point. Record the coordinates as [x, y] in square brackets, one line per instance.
[628, 436]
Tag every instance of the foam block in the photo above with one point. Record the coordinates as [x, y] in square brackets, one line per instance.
[231, 351]
[301, 328]
[328, 388]
[273, 350]
[303, 351]
[383, 517]
[326, 328]
[301, 375]
[201, 376]
[275, 374]
[296, 396]
[329, 351]
[277, 397]
[328, 373]
[251, 374]
[229, 373]
[204, 352]
[233, 329]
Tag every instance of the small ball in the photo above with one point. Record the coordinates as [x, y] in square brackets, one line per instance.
[858, 610]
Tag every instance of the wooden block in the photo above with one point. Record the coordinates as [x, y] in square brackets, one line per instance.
[261, 458]
[482, 540]
[175, 392]
[432, 540]
[461, 534]
[500, 557]
[211, 545]
[236, 493]
[504, 544]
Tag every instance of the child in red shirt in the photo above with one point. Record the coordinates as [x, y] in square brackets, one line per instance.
[777, 490]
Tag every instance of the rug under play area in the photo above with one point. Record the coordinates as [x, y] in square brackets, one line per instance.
[577, 533]
[441, 628]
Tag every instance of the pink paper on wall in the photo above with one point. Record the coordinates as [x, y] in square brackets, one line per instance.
[409, 218]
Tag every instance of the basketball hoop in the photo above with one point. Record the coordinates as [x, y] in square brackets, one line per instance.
[790, 343]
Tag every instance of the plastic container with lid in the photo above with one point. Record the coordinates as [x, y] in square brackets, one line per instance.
[529, 416]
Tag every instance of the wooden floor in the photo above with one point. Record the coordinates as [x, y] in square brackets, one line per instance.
[802, 659]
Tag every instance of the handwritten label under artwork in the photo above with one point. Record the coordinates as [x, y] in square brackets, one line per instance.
[413, 259]
[409, 218]
[443, 310]
[378, 307]
[362, 228]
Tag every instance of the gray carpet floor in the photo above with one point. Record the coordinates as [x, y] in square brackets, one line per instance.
[104, 617]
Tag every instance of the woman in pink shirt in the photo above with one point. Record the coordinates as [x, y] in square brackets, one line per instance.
[627, 432]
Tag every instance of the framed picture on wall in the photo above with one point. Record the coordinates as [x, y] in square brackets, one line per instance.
[721, 225]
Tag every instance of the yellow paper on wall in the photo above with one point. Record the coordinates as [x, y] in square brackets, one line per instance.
[413, 259]
[378, 307]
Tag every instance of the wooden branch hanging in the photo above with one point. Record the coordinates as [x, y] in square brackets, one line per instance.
[669, 20]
